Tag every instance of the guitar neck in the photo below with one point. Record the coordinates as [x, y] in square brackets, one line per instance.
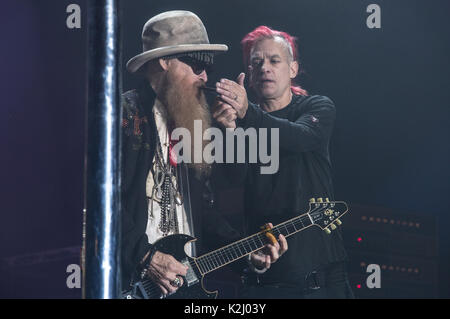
[323, 214]
[241, 248]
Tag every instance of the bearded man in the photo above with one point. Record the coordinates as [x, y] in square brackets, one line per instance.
[160, 195]
[157, 192]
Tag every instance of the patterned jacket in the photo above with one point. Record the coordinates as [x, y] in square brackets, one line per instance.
[138, 150]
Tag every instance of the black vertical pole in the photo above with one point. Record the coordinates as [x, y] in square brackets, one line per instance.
[101, 247]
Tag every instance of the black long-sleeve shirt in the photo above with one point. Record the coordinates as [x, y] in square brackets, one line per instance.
[305, 127]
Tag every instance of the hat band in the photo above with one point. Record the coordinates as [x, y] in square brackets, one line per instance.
[202, 56]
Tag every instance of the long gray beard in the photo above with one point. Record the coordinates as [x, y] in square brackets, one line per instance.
[184, 105]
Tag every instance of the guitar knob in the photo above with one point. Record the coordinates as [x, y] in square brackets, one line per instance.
[333, 226]
[320, 200]
[312, 200]
[338, 222]
[327, 200]
[327, 231]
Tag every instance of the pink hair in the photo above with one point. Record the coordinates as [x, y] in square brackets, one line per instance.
[263, 32]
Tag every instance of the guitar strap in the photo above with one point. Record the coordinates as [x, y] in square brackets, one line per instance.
[183, 175]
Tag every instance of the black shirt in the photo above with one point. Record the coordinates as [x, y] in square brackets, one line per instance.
[305, 127]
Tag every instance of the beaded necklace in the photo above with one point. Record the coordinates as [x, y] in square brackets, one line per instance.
[166, 191]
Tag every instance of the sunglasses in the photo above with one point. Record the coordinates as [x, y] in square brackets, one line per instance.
[197, 66]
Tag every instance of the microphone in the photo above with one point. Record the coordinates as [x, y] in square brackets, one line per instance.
[210, 90]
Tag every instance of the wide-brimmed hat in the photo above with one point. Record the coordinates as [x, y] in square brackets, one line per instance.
[171, 33]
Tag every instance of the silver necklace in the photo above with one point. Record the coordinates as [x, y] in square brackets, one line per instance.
[166, 191]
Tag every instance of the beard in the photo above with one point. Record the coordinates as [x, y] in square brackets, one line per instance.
[184, 104]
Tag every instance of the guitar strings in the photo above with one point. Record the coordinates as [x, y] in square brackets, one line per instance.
[211, 258]
[152, 288]
[214, 259]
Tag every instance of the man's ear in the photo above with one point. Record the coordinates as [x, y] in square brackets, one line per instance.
[164, 63]
[293, 69]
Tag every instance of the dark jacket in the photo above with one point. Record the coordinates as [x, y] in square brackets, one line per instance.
[138, 150]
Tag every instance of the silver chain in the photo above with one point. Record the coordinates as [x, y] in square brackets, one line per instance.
[167, 191]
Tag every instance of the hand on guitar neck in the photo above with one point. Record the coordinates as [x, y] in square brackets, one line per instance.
[263, 258]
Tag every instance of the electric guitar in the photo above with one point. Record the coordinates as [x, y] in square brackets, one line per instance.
[324, 214]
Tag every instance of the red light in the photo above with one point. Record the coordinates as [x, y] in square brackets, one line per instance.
[358, 286]
[359, 239]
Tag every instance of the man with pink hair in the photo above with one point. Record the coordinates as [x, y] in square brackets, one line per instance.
[315, 264]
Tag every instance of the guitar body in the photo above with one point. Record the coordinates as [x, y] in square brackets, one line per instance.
[193, 282]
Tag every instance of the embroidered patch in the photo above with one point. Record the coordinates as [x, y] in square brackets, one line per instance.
[132, 123]
[137, 123]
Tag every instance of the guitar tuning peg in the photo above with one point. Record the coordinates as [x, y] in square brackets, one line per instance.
[312, 200]
[333, 226]
[327, 231]
[338, 222]
[320, 200]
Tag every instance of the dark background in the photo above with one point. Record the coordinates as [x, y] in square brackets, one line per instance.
[391, 88]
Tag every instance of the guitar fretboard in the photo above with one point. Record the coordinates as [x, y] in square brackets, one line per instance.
[228, 254]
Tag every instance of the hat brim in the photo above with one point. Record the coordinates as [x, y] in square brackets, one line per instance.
[135, 63]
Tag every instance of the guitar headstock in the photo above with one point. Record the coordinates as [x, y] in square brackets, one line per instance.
[326, 213]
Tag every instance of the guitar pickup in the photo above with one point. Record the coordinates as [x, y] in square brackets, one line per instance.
[191, 276]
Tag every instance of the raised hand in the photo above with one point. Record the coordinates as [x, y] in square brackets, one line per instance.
[234, 94]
